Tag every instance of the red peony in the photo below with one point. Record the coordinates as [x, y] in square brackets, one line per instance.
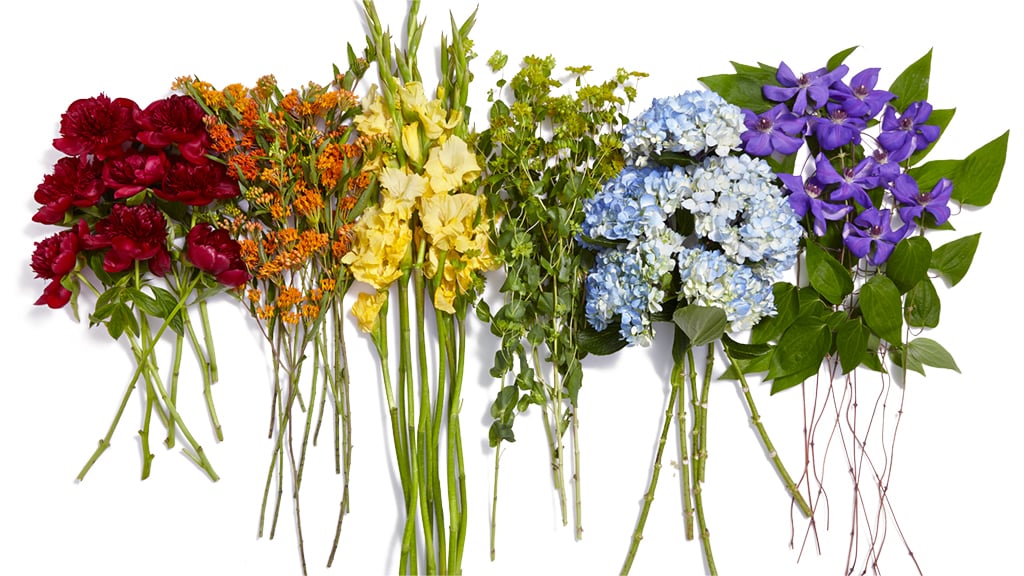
[132, 233]
[135, 172]
[175, 120]
[197, 184]
[54, 258]
[212, 250]
[74, 182]
[97, 126]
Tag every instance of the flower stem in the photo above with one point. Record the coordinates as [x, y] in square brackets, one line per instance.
[755, 419]
[677, 380]
[638, 532]
[211, 353]
[700, 461]
[494, 497]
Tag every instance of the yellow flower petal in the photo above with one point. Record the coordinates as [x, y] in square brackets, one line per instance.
[366, 309]
[451, 165]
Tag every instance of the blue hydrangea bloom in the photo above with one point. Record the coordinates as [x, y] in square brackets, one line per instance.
[691, 123]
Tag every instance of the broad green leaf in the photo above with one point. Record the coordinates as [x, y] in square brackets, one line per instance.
[882, 309]
[827, 276]
[573, 381]
[703, 324]
[603, 343]
[483, 311]
[743, 88]
[921, 307]
[912, 84]
[931, 353]
[953, 259]
[852, 344]
[839, 57]
[499, 432]
[800, 350]
[787, 308]
[909, 262]
[749, 366]
[898, 358]
[928, 174]
[745, 351]
[977, 177]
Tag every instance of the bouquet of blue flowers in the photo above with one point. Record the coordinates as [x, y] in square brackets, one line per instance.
[694, 231]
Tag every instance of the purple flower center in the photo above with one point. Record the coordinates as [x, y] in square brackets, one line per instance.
[861, 91]
[812, 190]
[876, 231]
[906, 123]
[838, 116]
[803, 81]
[848, 174]
[764, 124]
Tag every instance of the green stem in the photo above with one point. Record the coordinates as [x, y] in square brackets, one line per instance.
[677, 381]
[454, 427]
[638, 532]
[755, 419]
[211, 353]
[702, 454]
[494, 497]
[578, 502]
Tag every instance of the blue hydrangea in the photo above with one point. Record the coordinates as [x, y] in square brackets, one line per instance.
[744, 233]
[624, 209]
[710, 278]
[691, 123]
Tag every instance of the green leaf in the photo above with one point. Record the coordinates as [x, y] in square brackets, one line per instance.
[498, 432]
[743, 89]
[953, 259]
[744, 351]
[909, 262]
[787, 307]
[883, 311]
[483, 311]
[852, 344]
[603, 343]
[573, 380]
[703, 324]
[931, 353]
[839, 57]
[922, 306]
[977, 177]
[827, 276]
[912, 84]
[751, 366]
[800, 351]
[928, 174]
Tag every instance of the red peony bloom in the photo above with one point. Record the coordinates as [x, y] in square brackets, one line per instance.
[132, 233]
[54, 258]
[212, 250]
[135, 172]
[97, 126]
[175, 120]
[197, 184]
[74, 182]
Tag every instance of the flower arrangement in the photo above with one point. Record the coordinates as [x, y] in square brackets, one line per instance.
[851, 157]
[546, 153]
[694, 231]
[789, 228]
[298, 161]
[431, 227]
[136, 198]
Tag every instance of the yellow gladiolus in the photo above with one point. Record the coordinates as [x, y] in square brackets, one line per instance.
[374, 120]
[400, 190]
[447, 218]
[366, 309]
[411, 142]
[451, 165]
[381, 243]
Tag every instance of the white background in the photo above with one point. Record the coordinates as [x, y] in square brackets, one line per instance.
[954, 487]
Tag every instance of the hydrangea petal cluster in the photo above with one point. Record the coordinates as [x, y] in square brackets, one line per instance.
[692, 123]
[741, 234]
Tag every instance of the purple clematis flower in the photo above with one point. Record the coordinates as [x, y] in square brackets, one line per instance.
[776, 130]
[914, 203]
[838, 128]
[872, 228]
[806, 196]
[907, 134]
[812, 84]
[860, 98]
[853, 181]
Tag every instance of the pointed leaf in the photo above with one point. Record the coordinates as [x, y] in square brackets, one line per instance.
[703, 324]
[882, 309]
[953, 259]
[839, 57]
[909, 262]
[931, 353]
[852, 344]
[828, 277]
[922, 306]
[940, 118]
[977, 177]
[912, 84]
[787, 308]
